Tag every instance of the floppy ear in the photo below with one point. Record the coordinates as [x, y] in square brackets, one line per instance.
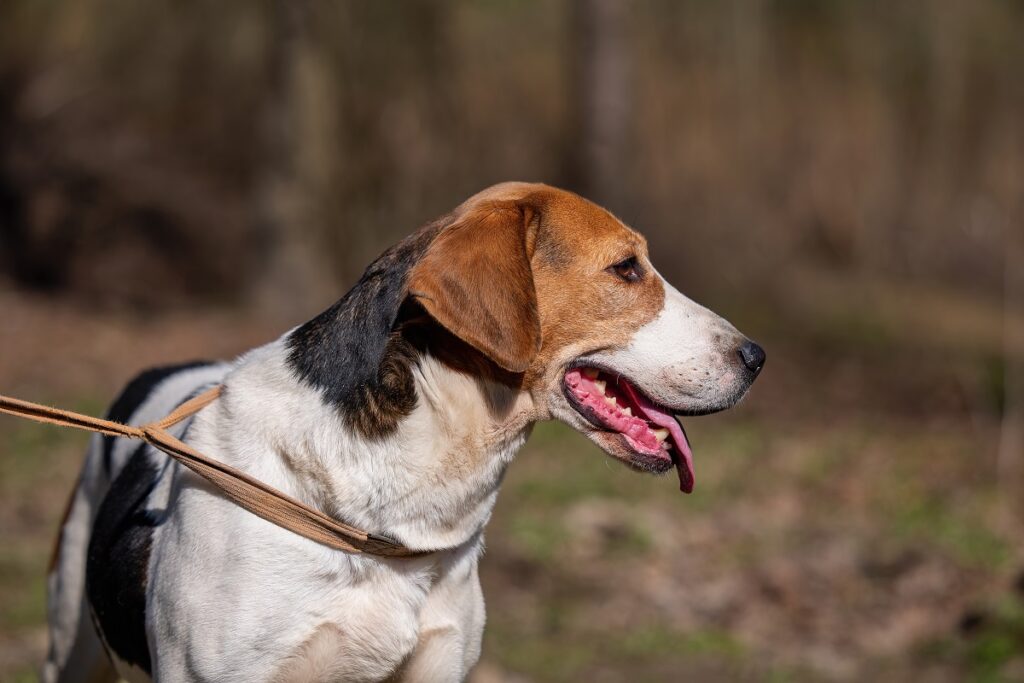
[475, 280]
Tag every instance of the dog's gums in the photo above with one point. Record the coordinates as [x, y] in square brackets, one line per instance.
[653, 434]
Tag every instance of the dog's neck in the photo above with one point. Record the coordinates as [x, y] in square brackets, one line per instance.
[431, 482]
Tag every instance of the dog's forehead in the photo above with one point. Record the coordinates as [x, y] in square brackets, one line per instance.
[588, 231]
[575, 223]
[580, 305]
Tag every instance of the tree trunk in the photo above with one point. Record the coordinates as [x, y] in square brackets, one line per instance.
[600, 105]
[284, 199]
[1011, 441]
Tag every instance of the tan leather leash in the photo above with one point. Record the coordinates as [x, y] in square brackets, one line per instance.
[243, 490]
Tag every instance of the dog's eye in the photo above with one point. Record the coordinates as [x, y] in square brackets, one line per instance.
[627, 269]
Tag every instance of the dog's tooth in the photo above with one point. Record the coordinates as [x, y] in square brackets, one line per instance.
[600, 384]
[610, 400]
[628, 411]
[590, 373]
[660, 434]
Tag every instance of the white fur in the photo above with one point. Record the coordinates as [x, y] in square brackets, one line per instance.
[233, 598]
[685, 357]
[280, 431]
[75, 646]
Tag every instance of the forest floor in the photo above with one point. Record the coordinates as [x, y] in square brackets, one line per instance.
[848, 524]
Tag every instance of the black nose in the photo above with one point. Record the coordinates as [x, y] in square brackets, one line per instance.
[752, 355]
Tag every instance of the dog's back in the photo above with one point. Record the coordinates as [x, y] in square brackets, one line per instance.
[96, 527]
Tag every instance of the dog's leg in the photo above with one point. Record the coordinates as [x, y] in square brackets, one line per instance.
[451, 628]
[317, 660]
[76, 653]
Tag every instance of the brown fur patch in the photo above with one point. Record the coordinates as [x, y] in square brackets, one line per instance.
[580, 302]
[475, 280]
[572, 242]
[509, 279]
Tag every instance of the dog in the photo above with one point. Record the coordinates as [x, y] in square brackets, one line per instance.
[396, 410]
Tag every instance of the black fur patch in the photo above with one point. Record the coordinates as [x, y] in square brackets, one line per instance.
[118, 560]
[118, 557]
[137, 391]
[353, 351]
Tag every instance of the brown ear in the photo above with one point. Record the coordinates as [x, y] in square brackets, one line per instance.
[475, 280]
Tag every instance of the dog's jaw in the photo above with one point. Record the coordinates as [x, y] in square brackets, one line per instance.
[683, 361]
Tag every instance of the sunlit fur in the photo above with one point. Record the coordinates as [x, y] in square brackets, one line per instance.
[232, 598]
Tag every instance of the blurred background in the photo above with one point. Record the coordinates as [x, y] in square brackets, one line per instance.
[843, 180]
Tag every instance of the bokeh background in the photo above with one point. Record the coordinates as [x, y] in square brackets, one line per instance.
[843, 180]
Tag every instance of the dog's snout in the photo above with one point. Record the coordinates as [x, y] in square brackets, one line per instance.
[752, 356]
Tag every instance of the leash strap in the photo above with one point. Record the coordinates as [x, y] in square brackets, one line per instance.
[240, 488]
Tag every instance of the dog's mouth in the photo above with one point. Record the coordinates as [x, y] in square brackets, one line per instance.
[653, 437]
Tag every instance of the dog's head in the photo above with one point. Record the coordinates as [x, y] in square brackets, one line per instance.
[563, 295]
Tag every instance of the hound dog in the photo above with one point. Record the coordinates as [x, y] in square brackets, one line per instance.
[396, 410]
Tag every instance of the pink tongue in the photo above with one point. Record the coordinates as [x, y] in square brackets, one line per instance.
[684, 465]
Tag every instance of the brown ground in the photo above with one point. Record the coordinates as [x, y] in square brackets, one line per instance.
[848, 523]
